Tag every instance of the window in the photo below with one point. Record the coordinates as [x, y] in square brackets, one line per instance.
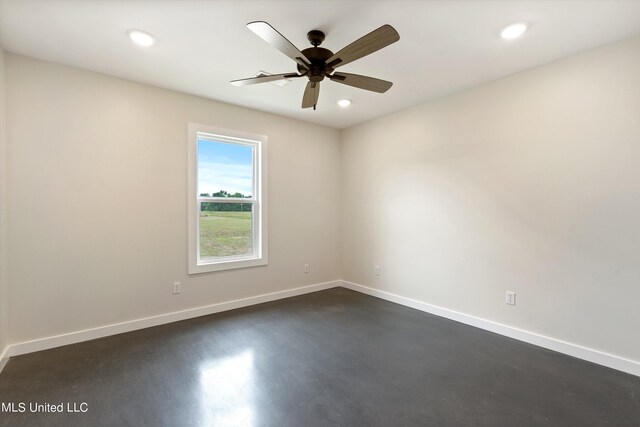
[227, 199]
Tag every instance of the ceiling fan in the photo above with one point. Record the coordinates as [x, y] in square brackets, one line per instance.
[316, 63]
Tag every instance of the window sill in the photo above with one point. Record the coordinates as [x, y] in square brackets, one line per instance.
[227, 265]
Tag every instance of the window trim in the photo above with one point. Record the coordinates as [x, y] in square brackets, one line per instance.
[258, 200]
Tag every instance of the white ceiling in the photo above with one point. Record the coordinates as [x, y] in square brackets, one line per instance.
[444, 47]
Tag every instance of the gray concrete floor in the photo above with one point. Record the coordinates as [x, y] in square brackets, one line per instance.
[335, 357]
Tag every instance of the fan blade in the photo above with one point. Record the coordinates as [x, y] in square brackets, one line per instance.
[374, 41]
[263, 79]
[361, 82]
[311, 94]
[269, 34]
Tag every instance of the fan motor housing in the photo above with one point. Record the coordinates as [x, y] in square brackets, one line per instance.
[318, 57]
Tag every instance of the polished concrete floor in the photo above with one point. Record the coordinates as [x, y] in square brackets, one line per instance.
[335, 357]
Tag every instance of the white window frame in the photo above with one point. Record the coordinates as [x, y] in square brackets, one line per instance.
[258, 199]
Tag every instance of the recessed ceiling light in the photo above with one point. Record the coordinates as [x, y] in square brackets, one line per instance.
[141, 38]
[344, 103]
[513, 31]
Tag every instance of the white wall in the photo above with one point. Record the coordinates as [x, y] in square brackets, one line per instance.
[4, 284]
[530, 183]
[98, 200]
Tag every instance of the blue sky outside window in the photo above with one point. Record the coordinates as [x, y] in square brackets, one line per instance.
[224, 166]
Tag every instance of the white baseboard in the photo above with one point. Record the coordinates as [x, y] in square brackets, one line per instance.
[591, 355]
[575, 350]
[132, 325]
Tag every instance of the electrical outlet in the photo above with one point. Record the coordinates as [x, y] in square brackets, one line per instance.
[177, 287]
[306, 268]
[376, 270]
[510, 298]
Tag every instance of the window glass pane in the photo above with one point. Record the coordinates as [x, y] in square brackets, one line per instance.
[224, 169]
[225, 230]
